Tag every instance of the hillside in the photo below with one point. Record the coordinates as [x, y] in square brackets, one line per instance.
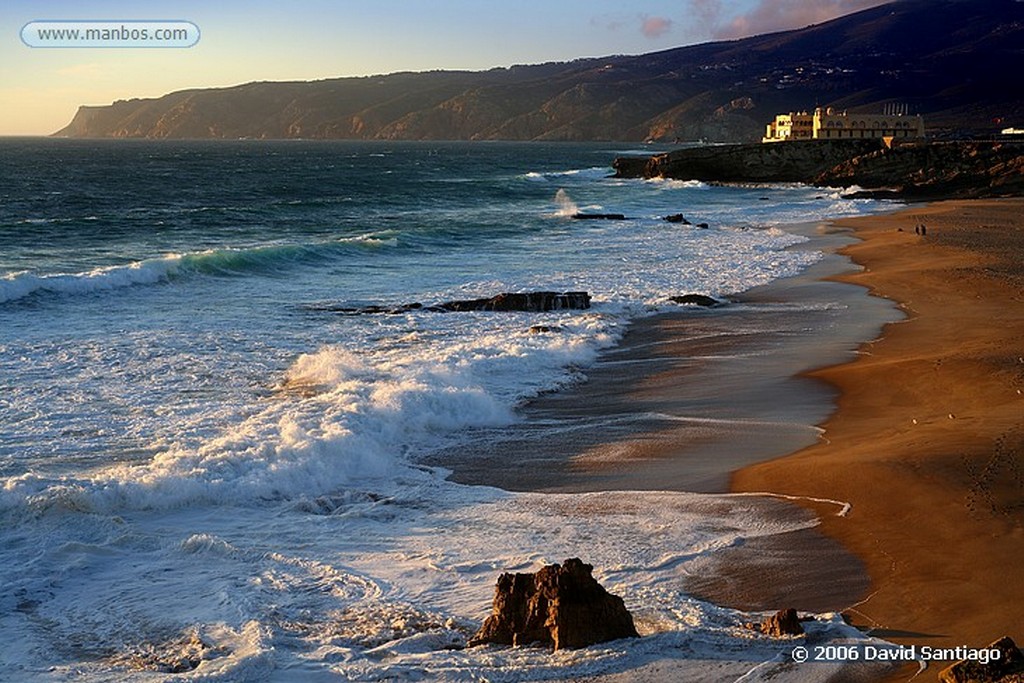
[958, 62]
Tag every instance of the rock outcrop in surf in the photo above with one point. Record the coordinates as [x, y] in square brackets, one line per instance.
[531, 302]
[561, 606]
[696, 300]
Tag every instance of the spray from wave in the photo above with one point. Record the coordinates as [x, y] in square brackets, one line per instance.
[566, 206]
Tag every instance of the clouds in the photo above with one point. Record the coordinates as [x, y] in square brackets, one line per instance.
[779, 15]
[728, 19]
[651, 27]
[655, 27]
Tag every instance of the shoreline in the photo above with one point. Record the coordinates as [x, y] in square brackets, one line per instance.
[691, 395]
[926, 442]
[947, 575]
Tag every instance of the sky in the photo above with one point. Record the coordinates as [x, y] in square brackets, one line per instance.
[257, 40]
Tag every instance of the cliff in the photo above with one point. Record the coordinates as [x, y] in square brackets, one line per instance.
[958, 62]
[936, 170]
[917, 170]
[790, 162]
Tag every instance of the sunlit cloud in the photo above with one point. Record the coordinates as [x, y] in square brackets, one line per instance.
[655, 27]
[780, 15]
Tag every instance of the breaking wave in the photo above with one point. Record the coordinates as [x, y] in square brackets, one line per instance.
[267, 259]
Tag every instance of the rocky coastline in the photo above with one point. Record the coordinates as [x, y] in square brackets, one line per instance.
[917, 170]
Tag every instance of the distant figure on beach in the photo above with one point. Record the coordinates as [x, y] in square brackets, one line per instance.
[917, 229]
[924, 230]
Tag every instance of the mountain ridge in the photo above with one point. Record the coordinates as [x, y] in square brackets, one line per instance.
[958, 62]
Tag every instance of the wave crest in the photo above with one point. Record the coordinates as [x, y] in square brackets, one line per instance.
[213, 262]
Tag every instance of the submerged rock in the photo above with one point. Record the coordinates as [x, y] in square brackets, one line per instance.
[536, 302]
[697, 300]
[179, 655]
[600, 216]
[562, 606]
[364, 310]
[541, 329]
[522, 301]
[677, 218]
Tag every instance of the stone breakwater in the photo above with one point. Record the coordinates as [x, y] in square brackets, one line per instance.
[911, 170]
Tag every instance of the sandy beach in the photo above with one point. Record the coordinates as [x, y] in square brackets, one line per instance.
[924, 443]
[927, 440]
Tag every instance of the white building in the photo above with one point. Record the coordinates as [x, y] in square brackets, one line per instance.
[826, 124]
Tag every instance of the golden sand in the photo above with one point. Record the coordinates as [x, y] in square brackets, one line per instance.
[928, 440]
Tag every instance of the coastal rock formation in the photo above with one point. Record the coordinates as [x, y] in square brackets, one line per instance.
[697, 300]
[531, 302]
[524, 301]
[562, 606]
[796, 162]
[926, 170]
[1009, 668]
[543, 329]
[914, 170]
[599, 216]
[783, 623]
[178, 655]
[364, 310]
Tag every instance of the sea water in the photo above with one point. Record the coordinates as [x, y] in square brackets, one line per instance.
[200, 454]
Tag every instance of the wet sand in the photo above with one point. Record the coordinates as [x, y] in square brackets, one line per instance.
[688, 397]
[928, 439]
[921, 429]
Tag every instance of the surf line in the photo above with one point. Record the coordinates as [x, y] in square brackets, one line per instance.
[844, 506]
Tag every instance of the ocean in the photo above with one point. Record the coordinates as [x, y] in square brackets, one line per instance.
[208, 472]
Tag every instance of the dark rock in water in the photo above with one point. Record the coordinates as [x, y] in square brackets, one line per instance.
[361, 310]
[599, 216]
[507, 301]
[561, 606]
[677, 218]
[1009, 668]
[538, 329]
[697, 300]
[702, 226]
[783, 623]
[180, 655]
[522, 301]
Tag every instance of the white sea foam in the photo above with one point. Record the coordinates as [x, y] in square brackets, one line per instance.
[251, 480]
[592, 173]
[386, 586]
[344, 419]
[672, 184]
[240, 261]
[19, 285]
